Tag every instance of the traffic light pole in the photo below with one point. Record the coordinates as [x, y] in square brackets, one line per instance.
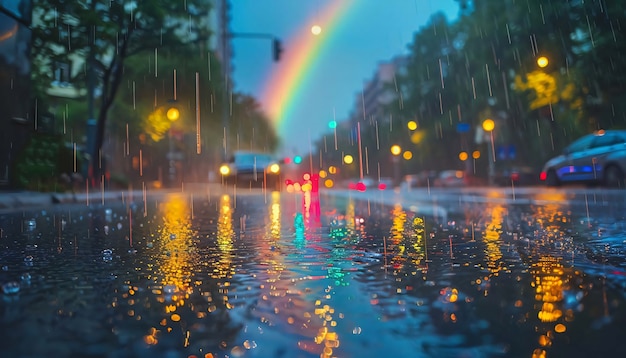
[277, 49]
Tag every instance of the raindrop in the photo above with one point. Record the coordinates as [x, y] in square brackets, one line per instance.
[31, 224]
[107, 255]
[11, 288]
[25, 277]
[28, 260]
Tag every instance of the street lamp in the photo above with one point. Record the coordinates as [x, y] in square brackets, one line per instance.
[173, 114]
[488, 126]
[395, 151]
[542, 61]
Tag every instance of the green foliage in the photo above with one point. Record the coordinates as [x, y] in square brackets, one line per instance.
[42, 163]
[484, 66]
[105, 34]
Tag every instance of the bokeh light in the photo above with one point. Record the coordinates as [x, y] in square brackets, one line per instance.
[173, 114]
[488, 125]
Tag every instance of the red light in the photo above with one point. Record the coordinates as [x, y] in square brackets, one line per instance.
[515, 176]
[382, 186]
[360, 186]
[287, 160]
[543, 176]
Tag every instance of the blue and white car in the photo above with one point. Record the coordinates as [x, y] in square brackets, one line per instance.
[597, 158]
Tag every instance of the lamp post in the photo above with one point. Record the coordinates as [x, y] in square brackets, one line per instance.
[395, 152]
[488, 126]
[172, 114]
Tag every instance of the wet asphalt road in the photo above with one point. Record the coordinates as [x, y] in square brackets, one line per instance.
[426, 273]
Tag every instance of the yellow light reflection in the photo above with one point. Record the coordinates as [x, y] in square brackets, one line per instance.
[225, 236]
[175, 236]
[175, 263]
[275, 216]
[398, 246]
[492, 240]
[551, 279]
[418, 256]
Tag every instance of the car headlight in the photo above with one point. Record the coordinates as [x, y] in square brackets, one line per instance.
[274, 168]
[224, 169]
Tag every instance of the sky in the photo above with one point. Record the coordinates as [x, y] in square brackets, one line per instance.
[318, 77]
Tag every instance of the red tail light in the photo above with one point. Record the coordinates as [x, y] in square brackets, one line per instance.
[543, 176]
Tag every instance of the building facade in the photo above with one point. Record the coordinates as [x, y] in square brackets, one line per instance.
[17, 117]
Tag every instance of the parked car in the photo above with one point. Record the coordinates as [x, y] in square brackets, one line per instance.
[421, 179]
[597, 158]
[246, 168]
[450, 178]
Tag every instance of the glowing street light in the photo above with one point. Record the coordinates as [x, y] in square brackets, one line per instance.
[348, 159]
[463, 156]
[542, 61]
[395, 151]
[316, 30]
[172, 114]
[412, 125]
[489, 125]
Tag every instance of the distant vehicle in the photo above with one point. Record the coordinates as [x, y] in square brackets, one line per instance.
[421, 179]
[368, 183]
[251, 169]
[519, 176]
[450, 178]
[597, 158]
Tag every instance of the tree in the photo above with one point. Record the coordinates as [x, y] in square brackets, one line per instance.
[105, 34]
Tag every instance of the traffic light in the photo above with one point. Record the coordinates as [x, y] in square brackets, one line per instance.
[277, 49]
[297, 159]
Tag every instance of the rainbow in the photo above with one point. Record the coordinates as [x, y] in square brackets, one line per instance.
[286, 85]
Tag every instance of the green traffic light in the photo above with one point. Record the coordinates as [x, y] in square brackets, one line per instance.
[332, 124]
[297, 159]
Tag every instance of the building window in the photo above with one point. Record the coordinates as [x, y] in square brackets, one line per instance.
[61, 74]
